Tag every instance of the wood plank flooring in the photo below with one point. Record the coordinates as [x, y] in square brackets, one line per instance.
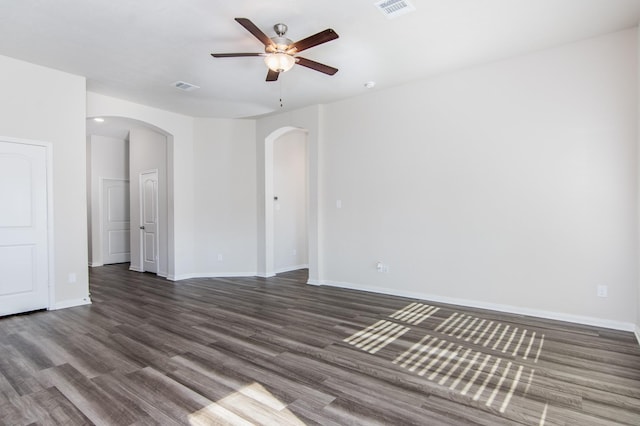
[278, 352]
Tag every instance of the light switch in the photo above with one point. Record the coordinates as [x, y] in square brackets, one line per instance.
[338, 204]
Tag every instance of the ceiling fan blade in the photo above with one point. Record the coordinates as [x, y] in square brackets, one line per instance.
[314, 40]
[253, 29]
[316, 66]
[272, 75]
[235, 55]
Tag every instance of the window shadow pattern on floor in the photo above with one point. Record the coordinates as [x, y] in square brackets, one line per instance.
[485, 360]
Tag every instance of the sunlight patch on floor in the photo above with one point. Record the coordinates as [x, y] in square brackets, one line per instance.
[253, 404]
[461, 363]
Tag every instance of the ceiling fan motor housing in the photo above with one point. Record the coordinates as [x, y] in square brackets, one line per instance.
[280, 42]
[280, 29]
[280, 45]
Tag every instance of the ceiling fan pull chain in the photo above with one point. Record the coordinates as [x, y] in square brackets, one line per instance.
[280, 92]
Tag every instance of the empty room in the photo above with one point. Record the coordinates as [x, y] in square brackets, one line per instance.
[291, 212]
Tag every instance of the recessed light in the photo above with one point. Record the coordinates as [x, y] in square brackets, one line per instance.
[370, 84]
[99, 120]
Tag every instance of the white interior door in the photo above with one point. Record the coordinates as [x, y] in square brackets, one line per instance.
[115, 221]
[24, 261]
[149, 220]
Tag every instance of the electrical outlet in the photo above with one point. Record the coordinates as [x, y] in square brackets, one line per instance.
[381, 267]
[294, 252]
[72, 278]
[602, 291]
[220, 258]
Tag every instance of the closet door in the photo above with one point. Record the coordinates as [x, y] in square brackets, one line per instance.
[24, 281]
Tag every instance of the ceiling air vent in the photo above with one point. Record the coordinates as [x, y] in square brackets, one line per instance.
[187, 87]
[394, 8]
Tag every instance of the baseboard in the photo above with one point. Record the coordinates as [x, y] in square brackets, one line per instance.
[232, 274]
[266, 274]
[135, 268]
[95, 265]
[71, 303]
[558, 316]
[291, 268]
[637, 333]
[210, 275]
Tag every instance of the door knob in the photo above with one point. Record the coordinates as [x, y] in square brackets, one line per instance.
[142, 227]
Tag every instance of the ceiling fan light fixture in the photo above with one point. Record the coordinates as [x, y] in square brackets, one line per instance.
[279, 62]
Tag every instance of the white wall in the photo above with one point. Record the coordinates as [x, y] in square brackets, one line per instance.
[224, 211]
[148, 151]
[510, 186]
[43, 104]
[290, 213]
[108, 158]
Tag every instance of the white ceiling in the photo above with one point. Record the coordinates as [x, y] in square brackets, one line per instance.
[135, 49]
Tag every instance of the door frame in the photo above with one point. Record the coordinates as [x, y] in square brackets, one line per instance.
[141, 209]
[48, 146]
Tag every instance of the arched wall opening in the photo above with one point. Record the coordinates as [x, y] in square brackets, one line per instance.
[268, 129]
[118, 153]
[274, 263]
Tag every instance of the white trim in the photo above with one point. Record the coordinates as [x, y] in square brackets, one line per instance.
[95, 265]
[71, 303]
[291, 268]
[558, 316]
[314, 282]
[135, 268]
[637, 333]
[211, 275]
[50, 223]
[266, 274]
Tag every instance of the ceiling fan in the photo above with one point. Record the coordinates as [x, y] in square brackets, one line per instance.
[280, 53]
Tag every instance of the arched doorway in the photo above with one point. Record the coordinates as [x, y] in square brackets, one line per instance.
[286, 219]
[290, 202]
[120, 152]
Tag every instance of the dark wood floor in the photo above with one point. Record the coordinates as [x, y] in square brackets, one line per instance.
[277, 351]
